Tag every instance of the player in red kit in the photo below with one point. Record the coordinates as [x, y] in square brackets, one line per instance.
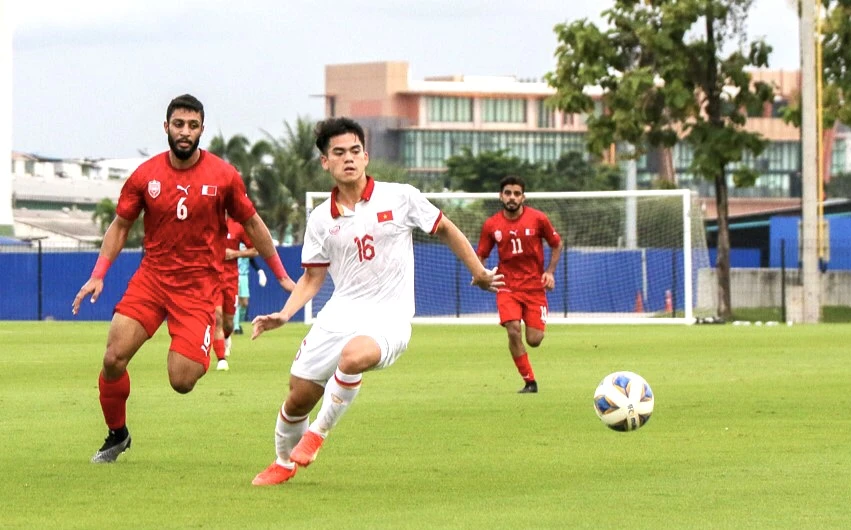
[518, 232]
[184, 194]
[226, 292]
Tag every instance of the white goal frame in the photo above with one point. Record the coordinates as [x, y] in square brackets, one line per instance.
[687, 196]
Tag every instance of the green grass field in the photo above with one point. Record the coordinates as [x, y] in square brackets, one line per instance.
[751, 430]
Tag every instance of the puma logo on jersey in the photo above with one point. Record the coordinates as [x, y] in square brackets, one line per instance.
[184, 190]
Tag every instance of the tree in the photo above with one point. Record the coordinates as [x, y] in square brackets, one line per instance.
[390, 172]
[665, 79]
[836, 67]
[244, 156]
[274, 201]
[836, 76]
[293, 170]
[105, 213]
[574, 172]
[277, 172]
[482, 172]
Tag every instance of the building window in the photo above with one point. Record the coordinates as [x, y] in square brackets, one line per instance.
[544, 148]
[449, 109]
[682, 157]
[428, 150]
[458, 141]
[518, 145]
[409, 149]
[504, 110]
[433, 153]
[837, 162]
[573, 142]
[489, 142]
[546, 115]
[779, 156]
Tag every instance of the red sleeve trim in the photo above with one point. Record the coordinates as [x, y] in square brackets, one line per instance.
[314, 265]
[434, 228]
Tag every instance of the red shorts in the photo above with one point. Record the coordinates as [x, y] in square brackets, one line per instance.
[188, 308]
[226, 296]
[530, 307]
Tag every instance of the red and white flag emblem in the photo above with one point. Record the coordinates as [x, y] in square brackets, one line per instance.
[154, 188]
[209, 190]
[385, 216]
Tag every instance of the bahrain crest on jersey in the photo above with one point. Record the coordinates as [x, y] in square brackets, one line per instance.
[154, 188]
[498, 235]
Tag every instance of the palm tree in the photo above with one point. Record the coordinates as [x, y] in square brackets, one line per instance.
[274, 201]
[240, 153]
[104, 214]
[295, 162]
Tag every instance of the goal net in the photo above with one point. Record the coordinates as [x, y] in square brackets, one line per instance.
[628, 257]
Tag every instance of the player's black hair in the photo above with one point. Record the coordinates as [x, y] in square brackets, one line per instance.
[186, 101]
[327, 129]
[512, 180]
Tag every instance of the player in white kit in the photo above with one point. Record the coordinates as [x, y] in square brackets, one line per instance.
[363, 236]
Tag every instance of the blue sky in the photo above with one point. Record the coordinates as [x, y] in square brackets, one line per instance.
[92, 78]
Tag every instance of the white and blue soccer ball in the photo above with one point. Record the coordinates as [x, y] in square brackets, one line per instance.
[623, 401]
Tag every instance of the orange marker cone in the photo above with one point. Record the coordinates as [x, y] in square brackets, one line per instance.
[639, 302]
[669, 302]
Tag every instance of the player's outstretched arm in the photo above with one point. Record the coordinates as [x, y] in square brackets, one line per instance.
[483, 278]
[113, 241]
[306, 288]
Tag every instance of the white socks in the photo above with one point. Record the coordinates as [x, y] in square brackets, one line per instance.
[340, 391]
[288, 431]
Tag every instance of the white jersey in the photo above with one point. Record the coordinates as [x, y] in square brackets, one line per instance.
[369, 253]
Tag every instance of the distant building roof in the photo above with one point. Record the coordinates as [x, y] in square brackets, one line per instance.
[12, 241]
[66, 224]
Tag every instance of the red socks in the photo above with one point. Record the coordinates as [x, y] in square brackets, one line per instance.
[113, 400]
[219, 348]
[524, 368]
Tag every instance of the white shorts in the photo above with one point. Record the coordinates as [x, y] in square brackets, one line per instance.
[319, 354]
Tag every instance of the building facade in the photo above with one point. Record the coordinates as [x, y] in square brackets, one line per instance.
[419, 124]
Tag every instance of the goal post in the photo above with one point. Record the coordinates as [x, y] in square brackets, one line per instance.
[629, 257]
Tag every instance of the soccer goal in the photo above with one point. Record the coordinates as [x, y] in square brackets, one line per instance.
[629, 257]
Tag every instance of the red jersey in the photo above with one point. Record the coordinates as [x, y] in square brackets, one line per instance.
[185, 227]
[519, 243]
[236, 235]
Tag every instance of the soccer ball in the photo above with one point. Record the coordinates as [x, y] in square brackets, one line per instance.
[623, 401]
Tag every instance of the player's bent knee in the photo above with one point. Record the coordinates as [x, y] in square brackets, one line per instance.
[183, 373]
[181, 388]
[534, 339]
[182, 385]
